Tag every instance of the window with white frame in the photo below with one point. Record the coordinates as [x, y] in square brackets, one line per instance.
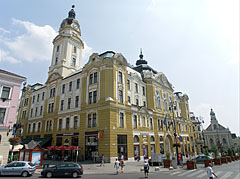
[75, 122]
[61, 105]
[92, 97]
[121, 120]
[120, 94]
[5, 92]
[134, 121]
[34, 127]
[128, 84]
[67, 123]
[29, 128]
[78, 84]
[39, 127]
[165, 103]
[129, 99]
[76, 101]
[36, 111]
[31, 112]
[92, 120]
[60, 124]
[120, 77]
[93, 78]
[69, 103]
[63, 88]
[73, 61]
[70, 86]
[158, 100]
[151, 123]
[137, 102]
[143, 91]
[136, 88]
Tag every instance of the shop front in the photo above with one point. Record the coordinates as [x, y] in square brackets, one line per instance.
[122, 147]
[91, 145]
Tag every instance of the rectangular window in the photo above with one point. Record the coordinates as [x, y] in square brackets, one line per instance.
[50, 107]
[31, 112]
[26, 102]
[134, 121]
[5, 92]
[38, 97]
[136, 88]
[53, 92]
[29, 128]
[128, 84]
[41, 110]
[94, 122]
[95, 77]
[60, 124]
[91, 79]
[39, 127]
[90, 98]
[67, 123]
[120, 96]
[129, 99]
[75, 124]
[143, 88]
[34, 127]
[36, 111]
[69, 103]
[120, 77]
[121, 120]
[78, 84]
[61, 105]
[2, 115]
[94, 96]
[70, 86]
[33, 99]
[89, 121]
[58, 48]
[47, 126]
[137, 102]
[159, 125]
[73, 62]
[43, 96]
[76, 101]
[151, 123]
[144, 103]
[63, 88]
[56, 60]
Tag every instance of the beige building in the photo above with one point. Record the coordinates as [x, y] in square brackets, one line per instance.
[105, 107]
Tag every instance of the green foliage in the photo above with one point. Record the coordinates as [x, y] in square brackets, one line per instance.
[206, 152]
[230, 153]
[215, 151]
[233, 152]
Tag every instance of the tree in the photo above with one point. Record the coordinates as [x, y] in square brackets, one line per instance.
[215, 151]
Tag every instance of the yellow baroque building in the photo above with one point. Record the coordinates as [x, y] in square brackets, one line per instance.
[105, 107]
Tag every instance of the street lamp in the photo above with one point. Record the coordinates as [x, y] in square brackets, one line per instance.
[172, 107]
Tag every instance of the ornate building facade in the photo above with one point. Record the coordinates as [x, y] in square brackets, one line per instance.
[105, 107]
[217, 135]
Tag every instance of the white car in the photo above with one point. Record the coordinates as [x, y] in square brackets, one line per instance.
[23, 168]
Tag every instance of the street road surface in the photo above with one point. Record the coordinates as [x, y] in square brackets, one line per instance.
[225, 171]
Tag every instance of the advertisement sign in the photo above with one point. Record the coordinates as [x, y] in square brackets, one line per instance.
[36, 157]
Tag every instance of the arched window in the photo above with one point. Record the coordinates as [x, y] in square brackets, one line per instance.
[136, 139]
[66, 142]
[152, 139]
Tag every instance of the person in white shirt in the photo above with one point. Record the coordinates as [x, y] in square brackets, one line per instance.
[210, 172]
[116, 165]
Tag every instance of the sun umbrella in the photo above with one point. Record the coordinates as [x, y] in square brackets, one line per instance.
[61, 147]
[53, 147]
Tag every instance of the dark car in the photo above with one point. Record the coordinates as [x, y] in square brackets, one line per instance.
[200, 159]
[63, 169]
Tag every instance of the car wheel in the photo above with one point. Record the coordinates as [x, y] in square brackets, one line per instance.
[25, 174]
[49, 174]
[75, 174]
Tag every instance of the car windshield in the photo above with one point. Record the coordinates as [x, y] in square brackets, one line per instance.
[31, 164]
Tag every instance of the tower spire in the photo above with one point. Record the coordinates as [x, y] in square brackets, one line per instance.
[141, 55]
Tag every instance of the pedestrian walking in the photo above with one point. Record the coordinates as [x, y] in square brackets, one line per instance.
[210, 172]
[122, 165]
[146, 169]
[116, 165]
[102, 161]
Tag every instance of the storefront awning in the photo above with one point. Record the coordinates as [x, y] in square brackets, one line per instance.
[40, 141]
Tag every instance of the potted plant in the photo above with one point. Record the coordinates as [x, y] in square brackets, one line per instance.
[206, 162]
[217, 160]
[167, 162]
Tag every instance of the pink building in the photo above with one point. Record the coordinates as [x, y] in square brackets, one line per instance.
[10, 88]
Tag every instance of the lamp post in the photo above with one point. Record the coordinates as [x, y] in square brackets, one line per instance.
[172, 107]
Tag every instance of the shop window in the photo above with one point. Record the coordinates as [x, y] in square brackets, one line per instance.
[74, 141]
[122, 146]
[59, 141]
[2, 115]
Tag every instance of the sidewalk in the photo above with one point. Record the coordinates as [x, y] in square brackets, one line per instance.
[130, 167]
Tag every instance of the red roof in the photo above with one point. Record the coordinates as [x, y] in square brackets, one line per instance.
[9, 73]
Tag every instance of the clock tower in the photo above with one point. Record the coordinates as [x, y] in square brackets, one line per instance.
[67, 47]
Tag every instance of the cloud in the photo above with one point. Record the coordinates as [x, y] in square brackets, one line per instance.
[87, 51]
[34, 44]
[5, 57]
[4, 30]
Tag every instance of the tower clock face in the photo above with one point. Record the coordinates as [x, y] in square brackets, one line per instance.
[75, 26]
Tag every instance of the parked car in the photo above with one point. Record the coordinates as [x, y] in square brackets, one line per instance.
[23, 168]
[200, 159]
[64, 169]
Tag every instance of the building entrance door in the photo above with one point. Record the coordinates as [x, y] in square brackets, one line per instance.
[91, 147]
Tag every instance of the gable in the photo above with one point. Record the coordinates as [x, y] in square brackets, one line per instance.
[53, 77]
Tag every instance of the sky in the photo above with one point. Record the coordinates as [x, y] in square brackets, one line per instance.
[194, 43]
